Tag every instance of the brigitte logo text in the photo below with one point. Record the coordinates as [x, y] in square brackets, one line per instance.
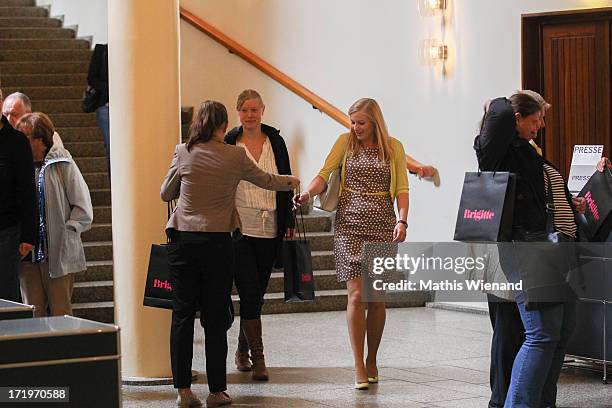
[592, 205]
[162, 285]
[478, 215]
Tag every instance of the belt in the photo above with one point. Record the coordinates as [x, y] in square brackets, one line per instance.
[366, 193]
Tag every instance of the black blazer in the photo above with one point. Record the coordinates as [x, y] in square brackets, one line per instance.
[284, 217]
[18, 204]
[499, 148]
[97, 75]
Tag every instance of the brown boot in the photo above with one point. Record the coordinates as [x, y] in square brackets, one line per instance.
[252, 329]
[242, 352]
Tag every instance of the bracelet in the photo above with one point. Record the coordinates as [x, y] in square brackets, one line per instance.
[402, 222]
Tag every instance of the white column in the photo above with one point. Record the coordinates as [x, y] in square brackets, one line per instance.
[145, 126]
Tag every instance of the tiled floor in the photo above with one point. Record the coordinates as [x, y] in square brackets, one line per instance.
[428, 358]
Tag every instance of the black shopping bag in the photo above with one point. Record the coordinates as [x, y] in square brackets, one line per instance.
[297, 262]
[158, 290]
[486, 207]
[598, 194]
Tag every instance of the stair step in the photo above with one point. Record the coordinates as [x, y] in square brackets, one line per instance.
[23, 80]
[36, 33]
[103, 251]
[86, 149]
[73, 119]
[323, 260]
[47, 92]
[102, 214]
[96, 180]
[100, 196]
[98, 251]
[23, 12]
[46, 55]
[93, 291]
[96, 271]
[97, 311]
[327, 300]
[80, 134]
[17, 3]
[317, 223]
[55, 67]
[320, 241]
[57, 106]
[91, 164]
[324, 280]
[98, 232]
[32, 44]
[9, 22]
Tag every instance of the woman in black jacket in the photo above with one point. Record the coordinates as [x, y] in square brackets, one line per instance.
[266, 219]
[504, 145]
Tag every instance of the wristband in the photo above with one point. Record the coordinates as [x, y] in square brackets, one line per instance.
[402, 222]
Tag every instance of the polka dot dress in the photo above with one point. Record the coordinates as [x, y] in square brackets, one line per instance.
[362, 218]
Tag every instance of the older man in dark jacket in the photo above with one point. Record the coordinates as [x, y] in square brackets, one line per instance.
[17, 206]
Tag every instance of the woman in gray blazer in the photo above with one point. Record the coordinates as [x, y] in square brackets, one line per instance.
[204, 175]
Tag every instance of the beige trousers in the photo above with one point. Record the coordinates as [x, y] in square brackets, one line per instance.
[40, 290]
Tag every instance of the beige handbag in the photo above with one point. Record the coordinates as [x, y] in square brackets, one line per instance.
[328, 199]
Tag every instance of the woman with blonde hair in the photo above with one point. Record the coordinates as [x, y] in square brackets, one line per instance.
[266, 219]
[373, 176]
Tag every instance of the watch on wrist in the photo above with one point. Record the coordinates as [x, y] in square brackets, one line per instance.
[402, 222]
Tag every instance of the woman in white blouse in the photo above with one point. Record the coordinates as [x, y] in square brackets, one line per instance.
[266, 219]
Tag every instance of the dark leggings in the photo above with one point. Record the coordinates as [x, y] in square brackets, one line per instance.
[254, 261]
[201, 266]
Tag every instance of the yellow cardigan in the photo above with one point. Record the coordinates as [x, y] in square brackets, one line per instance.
[337, 158]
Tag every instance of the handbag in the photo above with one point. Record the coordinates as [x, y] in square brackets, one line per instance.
[486, 207]
[598, 194]
[91, 100]
[328, 199]
[297, 261]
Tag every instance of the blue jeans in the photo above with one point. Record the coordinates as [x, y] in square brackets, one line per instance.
[538, 363]
[102, 118]
[9, 263]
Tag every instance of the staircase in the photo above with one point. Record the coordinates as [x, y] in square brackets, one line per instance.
[49, 64]
[46, 62]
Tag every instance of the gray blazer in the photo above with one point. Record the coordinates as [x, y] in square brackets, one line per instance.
[68, 212]
[205, 181]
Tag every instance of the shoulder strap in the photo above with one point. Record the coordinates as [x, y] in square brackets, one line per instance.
[550, 203]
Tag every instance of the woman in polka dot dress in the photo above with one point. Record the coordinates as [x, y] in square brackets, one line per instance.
[373, 176]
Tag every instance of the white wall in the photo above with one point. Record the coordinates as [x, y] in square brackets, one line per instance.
[347, 49]
[91, 16]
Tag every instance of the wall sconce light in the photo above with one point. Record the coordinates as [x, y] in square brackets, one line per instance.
[433, 51]
[428, 8]
[438, 52]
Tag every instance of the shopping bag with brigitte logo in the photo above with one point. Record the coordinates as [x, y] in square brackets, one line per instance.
[598, 195]
[297, 262]
[486, 207]
[158, 290]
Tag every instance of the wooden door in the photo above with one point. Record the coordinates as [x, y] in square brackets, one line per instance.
[571, 69]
